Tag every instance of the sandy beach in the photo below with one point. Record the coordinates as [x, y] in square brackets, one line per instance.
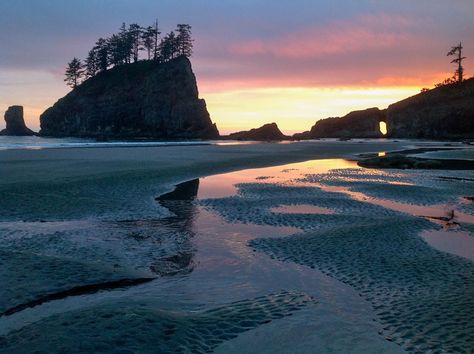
[268, 248]
[92, 182]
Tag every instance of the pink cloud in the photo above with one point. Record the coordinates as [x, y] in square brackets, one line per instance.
[369, 50]
[365, 33]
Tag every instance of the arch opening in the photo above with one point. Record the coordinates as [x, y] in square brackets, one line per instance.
[383, 128]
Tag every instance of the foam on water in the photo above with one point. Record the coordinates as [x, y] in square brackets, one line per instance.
[39, 143]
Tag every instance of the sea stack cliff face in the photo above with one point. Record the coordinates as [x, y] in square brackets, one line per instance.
[140, 100]
[446, 112]
[15, 123]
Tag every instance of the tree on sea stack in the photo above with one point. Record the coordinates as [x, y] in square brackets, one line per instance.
[91, 64]
[184, 40]
[457, 51]
[458, 75]
[150, 40]
[135, 38]
[168, 47]
[102, 52]
[74, 72]
[156, 35]
[124, 48]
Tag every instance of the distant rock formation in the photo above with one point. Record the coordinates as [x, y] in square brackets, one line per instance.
[302, 136]
[267, 132]
[357, 124]
[141, 100]
[16, 123]
[445, 112]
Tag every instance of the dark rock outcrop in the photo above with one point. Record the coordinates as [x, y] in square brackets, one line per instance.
[357, 124]
[16, 123]
[441, 113]
[140, 100]
[267, 132]
[302, 136]
[400, 161]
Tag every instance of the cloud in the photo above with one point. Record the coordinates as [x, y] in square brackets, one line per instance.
[365, 33]
[364, 49]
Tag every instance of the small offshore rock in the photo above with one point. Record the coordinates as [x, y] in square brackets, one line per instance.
[15, 123]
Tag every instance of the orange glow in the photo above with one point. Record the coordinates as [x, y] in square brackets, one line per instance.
[383, 128]
[295, 109]
[34, 90]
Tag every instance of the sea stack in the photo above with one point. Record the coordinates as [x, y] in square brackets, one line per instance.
[146, 99]
[446, 112]
[15, 123]
[267, 132]
[356, 124]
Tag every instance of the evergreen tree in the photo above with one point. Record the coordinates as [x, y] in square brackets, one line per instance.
[116, 50]
[184, 41]
[125, 43]
[74, 72]
[168, 47]
[156, 32]
[102, 50]
[135, 37]
[148, 40]
[457, 52]
[91, 64]
[124, 47]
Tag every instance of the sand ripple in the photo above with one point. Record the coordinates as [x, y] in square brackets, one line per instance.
[145, 328]
[422, 297]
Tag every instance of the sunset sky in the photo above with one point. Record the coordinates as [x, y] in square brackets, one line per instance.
[257, 61]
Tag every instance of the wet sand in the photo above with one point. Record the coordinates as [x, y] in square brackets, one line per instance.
[321, 255]
[54, 184]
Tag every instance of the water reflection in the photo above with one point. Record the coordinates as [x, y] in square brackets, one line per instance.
[452, 241]
[224, 185]
[176, 230]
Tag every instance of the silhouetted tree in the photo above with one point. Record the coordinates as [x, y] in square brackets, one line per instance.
[184, 41]
[125, 46]
[91, 64]
[457, 51]
[125, 42]
[168, 47]
[148, 40]
[135, 36]
[448, 81]
[74, 72]
[156, 32]
[116, 50]
[102, 51]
